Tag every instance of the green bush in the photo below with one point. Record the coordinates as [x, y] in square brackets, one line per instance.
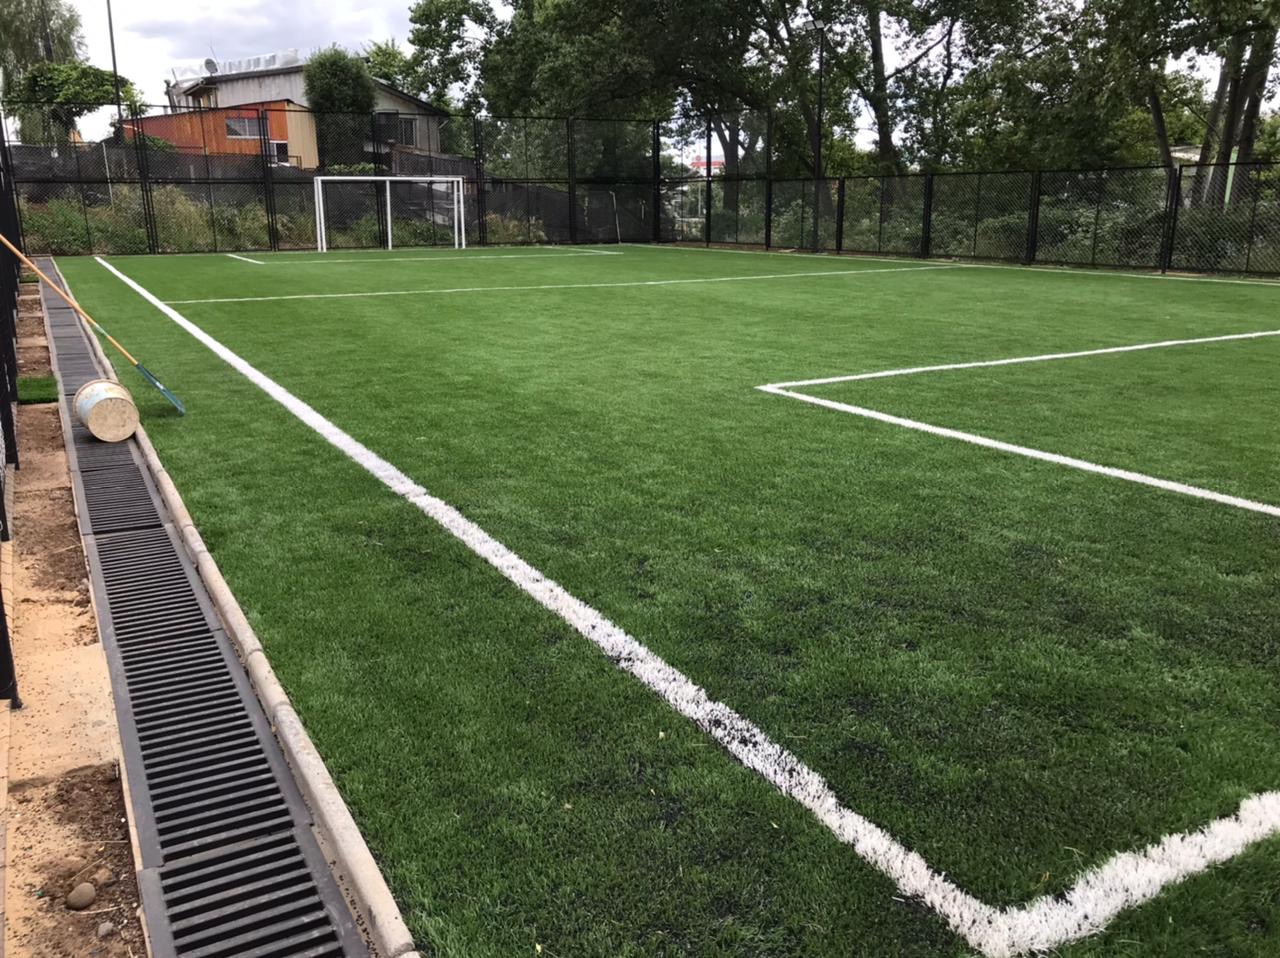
[510, 230]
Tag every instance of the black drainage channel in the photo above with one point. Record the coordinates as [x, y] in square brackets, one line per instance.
[230, 865]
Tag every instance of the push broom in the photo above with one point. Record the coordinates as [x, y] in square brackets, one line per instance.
[94, 324]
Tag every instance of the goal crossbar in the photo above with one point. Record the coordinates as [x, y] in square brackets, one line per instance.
[454, 183]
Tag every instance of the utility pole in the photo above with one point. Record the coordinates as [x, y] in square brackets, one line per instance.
[115, 74]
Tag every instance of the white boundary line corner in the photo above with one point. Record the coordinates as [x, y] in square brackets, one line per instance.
[356, 870]
[787, 390]
[1098, 895]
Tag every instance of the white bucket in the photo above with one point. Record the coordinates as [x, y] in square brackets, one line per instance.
[106, 409]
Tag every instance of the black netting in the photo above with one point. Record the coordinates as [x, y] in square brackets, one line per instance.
[525, 213]
[902, 215]
[618, 213]
[354, 215]
[525, 148]
[295, 209]
[1228, 219]
[804, 214]
[613, 150]
[1103, 217]
[861, 215]
[982, 215]
[739, 144]
[424, 214]
[345, 144]
[738, 209]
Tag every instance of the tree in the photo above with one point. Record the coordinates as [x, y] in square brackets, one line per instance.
[449, 38]
[337, 82]
[34, 33]
[387, 62]
[341, 92]
[70, 90]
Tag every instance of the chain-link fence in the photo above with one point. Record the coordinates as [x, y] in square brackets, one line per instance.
[241, 178]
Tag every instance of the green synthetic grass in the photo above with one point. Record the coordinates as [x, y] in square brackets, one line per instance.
[1016, 668]
[37, 389]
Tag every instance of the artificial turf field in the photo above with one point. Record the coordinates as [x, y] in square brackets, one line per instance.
[1015, 667]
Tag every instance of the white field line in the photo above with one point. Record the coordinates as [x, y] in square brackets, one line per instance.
[1046, 357]
[778, 252]
[506, 289]
[1100, 894]
[429, 259]
[1084, 465]
[245, 259]
[1056, 270]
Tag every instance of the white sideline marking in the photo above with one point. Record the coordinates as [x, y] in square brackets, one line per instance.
[1084, 465]
[245, 259]
[430, 259]
[1101, 893]
[1057, 270]
[913, 370]
[506, 289]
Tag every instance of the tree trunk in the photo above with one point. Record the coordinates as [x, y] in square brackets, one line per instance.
[1231, 112]
[880, 93]
[1255, 85]
[1212, 124]
[1162, 133]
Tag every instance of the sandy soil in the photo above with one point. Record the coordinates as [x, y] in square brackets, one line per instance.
[66, 816]
[65, 831]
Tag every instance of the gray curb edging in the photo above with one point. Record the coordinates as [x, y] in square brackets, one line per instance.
[357, 870]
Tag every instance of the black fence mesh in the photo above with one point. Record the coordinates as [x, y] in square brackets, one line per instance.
[1227, 219]
[1103, 217]
[242, 178]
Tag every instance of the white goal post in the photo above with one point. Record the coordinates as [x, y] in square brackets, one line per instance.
[454, 184]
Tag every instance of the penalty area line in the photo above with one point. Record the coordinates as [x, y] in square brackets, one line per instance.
[509, 289]
[1098, 895]
[1042, 358]
[1083, 465]
[245, 259]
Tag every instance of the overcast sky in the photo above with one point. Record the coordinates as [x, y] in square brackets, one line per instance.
[152, 37]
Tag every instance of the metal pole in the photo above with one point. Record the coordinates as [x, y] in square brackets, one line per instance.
[707, 226]
[817, 139]
[115, 74]
[389, 231]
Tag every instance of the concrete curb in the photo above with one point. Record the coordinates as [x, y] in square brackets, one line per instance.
[356, 871]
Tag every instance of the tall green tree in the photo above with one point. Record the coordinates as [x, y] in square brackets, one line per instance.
[387, 62]
[69, 90]
[340, 90]
[30, 34]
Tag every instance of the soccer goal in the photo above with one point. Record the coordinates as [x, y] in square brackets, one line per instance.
[390, 211]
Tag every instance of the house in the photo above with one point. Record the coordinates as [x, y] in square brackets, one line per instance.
[218, 111]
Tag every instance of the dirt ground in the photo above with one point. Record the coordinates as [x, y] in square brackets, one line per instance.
[65, 831]
[66, 816]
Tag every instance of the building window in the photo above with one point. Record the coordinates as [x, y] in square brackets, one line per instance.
[280, 152]
[394, 128]
[244, 127]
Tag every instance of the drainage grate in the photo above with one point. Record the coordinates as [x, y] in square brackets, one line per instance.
[230, 865]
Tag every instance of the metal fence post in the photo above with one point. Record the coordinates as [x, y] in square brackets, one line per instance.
[1173, 202]
[570, 132]
[144, 186]
[482, 224]
[268, 179]
[657, 182]
[926, 227]
[1033, 219]
[707, 226]
[768, 181]
[840, 215]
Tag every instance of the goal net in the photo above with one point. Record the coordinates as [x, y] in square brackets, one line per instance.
[390, 211]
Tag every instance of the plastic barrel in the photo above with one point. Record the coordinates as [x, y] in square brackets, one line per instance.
[106, 409]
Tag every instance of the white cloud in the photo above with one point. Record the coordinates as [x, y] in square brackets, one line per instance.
[151, 38]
